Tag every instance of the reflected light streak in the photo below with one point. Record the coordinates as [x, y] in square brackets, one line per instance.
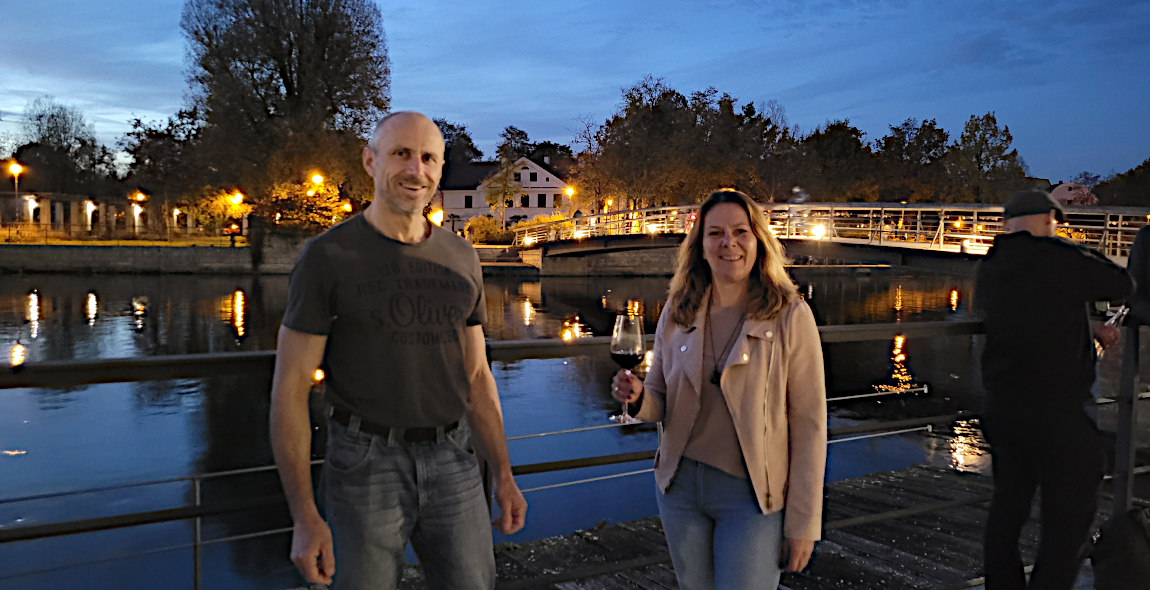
[32, 313]
[139, 310]
[573, 328]
[900, 377]
[91, 307]
[15, 453]
[954, 299]
[239, 311]
[16, 357]
[968, 449]
[634, 307]
[898, 298]
[528, 312]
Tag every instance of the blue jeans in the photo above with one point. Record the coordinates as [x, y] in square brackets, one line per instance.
[717, 535]
[380, 493]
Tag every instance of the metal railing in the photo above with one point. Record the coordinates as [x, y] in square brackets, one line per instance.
[926, 226]
[55, 234]
[69, 373]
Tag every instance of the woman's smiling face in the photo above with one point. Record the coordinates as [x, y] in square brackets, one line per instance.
[729, 245]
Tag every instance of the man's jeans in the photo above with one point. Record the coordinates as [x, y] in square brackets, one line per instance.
[379, 494]
[717, 535]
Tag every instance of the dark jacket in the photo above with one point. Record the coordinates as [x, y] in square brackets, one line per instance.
[1032, 293]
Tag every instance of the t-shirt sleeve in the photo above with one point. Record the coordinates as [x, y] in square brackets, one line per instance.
[478, 315]
[309, 307]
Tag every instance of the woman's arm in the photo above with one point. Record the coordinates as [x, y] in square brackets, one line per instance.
[651, 393]
[807, 422]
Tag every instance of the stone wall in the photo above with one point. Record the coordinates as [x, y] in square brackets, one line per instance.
[279, 256]
[624, 263]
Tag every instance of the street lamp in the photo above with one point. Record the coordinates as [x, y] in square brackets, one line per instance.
[237, 198]
[317, 179]
[15, 168]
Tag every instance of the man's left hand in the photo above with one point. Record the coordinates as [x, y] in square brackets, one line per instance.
[1107, 335]
[795, 554]
[512, 505]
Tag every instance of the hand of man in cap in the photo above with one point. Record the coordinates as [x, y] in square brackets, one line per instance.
[1107, 335]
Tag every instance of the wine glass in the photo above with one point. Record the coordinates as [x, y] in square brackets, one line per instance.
[627, 351]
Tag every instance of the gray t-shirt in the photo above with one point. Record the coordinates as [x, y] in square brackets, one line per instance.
[394, 315]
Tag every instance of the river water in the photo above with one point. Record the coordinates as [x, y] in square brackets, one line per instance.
[98, 436]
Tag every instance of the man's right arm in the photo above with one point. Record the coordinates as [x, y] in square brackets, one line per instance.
[298, 355]
[1095, 277]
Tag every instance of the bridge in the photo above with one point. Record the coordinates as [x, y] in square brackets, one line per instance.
[940, 227]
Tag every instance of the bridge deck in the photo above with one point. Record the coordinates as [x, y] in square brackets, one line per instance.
[935, 550]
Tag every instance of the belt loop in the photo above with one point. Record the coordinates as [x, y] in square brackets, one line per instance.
[353, 425]
[394, 435]
[439, 435]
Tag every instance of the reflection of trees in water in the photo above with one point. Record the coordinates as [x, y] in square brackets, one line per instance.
[846, 296]
[520, 309]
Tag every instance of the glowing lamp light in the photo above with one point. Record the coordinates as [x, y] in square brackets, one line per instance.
[176, 212]
[958, 223]
[610, 202]
[237, 198]
[318, 376]
[17, 356]
[436, 217]
[137, 209]
[568, 334]
[819, 231]
[311, 193]
[89, 207]
[15, 169]
[317, 179]
[140, 197]
[346, 207]
[570, 191]
[579, 235]
[529, 240]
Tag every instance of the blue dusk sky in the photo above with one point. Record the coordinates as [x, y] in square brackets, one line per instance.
[1070, 79]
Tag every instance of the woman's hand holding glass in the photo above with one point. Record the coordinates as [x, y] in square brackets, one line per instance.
[626, 387]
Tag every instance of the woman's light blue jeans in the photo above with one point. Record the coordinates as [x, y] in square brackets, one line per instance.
[718, 537]
[381, 493]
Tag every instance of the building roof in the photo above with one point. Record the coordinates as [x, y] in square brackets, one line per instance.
[466, 176]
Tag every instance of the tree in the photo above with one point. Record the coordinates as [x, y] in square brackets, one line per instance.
[306, 205]
[164, 156]
[214, 207]
[837, 164]
[1087, 179]
[458, 145]
[60, 149]
[501, 189]
[911, 161]
[1130, 188]
[266, 71]
[516, 144]
[982, 165]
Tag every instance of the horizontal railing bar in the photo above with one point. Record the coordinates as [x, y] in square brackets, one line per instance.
[568, 431]
[587, 480]
[189, 366]
[549, 466]
[841, 398]
[899, 424]
[878, 434]
[89, 525]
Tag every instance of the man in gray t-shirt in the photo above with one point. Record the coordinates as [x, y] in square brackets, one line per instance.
[391, 307]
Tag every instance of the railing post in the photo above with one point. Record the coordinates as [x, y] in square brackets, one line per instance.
[1123, 487]
[197, 577]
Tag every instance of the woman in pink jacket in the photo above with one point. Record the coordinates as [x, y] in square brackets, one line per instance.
[737, 380]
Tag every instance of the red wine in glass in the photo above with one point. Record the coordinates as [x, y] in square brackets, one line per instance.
[627, 351]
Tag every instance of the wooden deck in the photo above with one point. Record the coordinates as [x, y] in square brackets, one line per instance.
[936, 550]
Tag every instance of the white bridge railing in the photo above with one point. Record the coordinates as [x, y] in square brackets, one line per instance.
[935, 226]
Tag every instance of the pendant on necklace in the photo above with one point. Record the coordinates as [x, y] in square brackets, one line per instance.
[715, 376]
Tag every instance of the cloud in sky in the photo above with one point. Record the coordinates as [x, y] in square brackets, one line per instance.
[1070, 78]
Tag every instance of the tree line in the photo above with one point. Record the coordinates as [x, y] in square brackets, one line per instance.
[283, 91]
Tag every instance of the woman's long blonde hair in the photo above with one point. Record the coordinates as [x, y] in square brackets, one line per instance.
[769, 287]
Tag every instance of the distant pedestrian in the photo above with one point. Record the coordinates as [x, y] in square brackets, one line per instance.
[1032, 291]
[737, 380]
[391, 306]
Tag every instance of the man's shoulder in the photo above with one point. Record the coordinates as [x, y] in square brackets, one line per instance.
[454, 245]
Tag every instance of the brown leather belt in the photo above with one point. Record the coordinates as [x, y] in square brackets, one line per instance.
[423, 434]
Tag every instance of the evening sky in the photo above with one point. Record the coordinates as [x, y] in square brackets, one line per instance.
[1070, 79]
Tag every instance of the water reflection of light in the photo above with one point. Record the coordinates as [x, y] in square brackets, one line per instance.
[32, 313]
[900, 377]
[954, 298]
[15, 453]
[91, 307]
[968, 449]
[239, 311]
[573, 328]
[139, 310]
[898, 298]
[634, 307]
[528, 312]
[16, 357]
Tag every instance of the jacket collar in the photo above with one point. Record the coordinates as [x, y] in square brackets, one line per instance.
[691, 337]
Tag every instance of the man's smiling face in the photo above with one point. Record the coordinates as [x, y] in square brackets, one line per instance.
[405, 158]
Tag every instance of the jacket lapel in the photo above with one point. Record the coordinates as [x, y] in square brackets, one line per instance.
[755, 333]
[688, 346]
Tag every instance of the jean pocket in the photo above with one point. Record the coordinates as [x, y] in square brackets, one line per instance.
[460, 438]
[346, 452]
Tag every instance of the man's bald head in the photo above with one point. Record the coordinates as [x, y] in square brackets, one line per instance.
[385, 125]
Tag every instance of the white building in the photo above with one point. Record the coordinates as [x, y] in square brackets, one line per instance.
[463, 189]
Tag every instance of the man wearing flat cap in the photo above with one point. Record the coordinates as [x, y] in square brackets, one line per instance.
[1032, 292]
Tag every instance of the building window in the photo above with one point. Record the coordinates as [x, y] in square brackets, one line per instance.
[517, 176]
[466, 201]
[534, 176]
[542, 201]
[509, 203]
[557, 200]
[525, 201]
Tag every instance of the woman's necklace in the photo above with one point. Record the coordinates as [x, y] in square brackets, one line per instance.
[717, 373]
